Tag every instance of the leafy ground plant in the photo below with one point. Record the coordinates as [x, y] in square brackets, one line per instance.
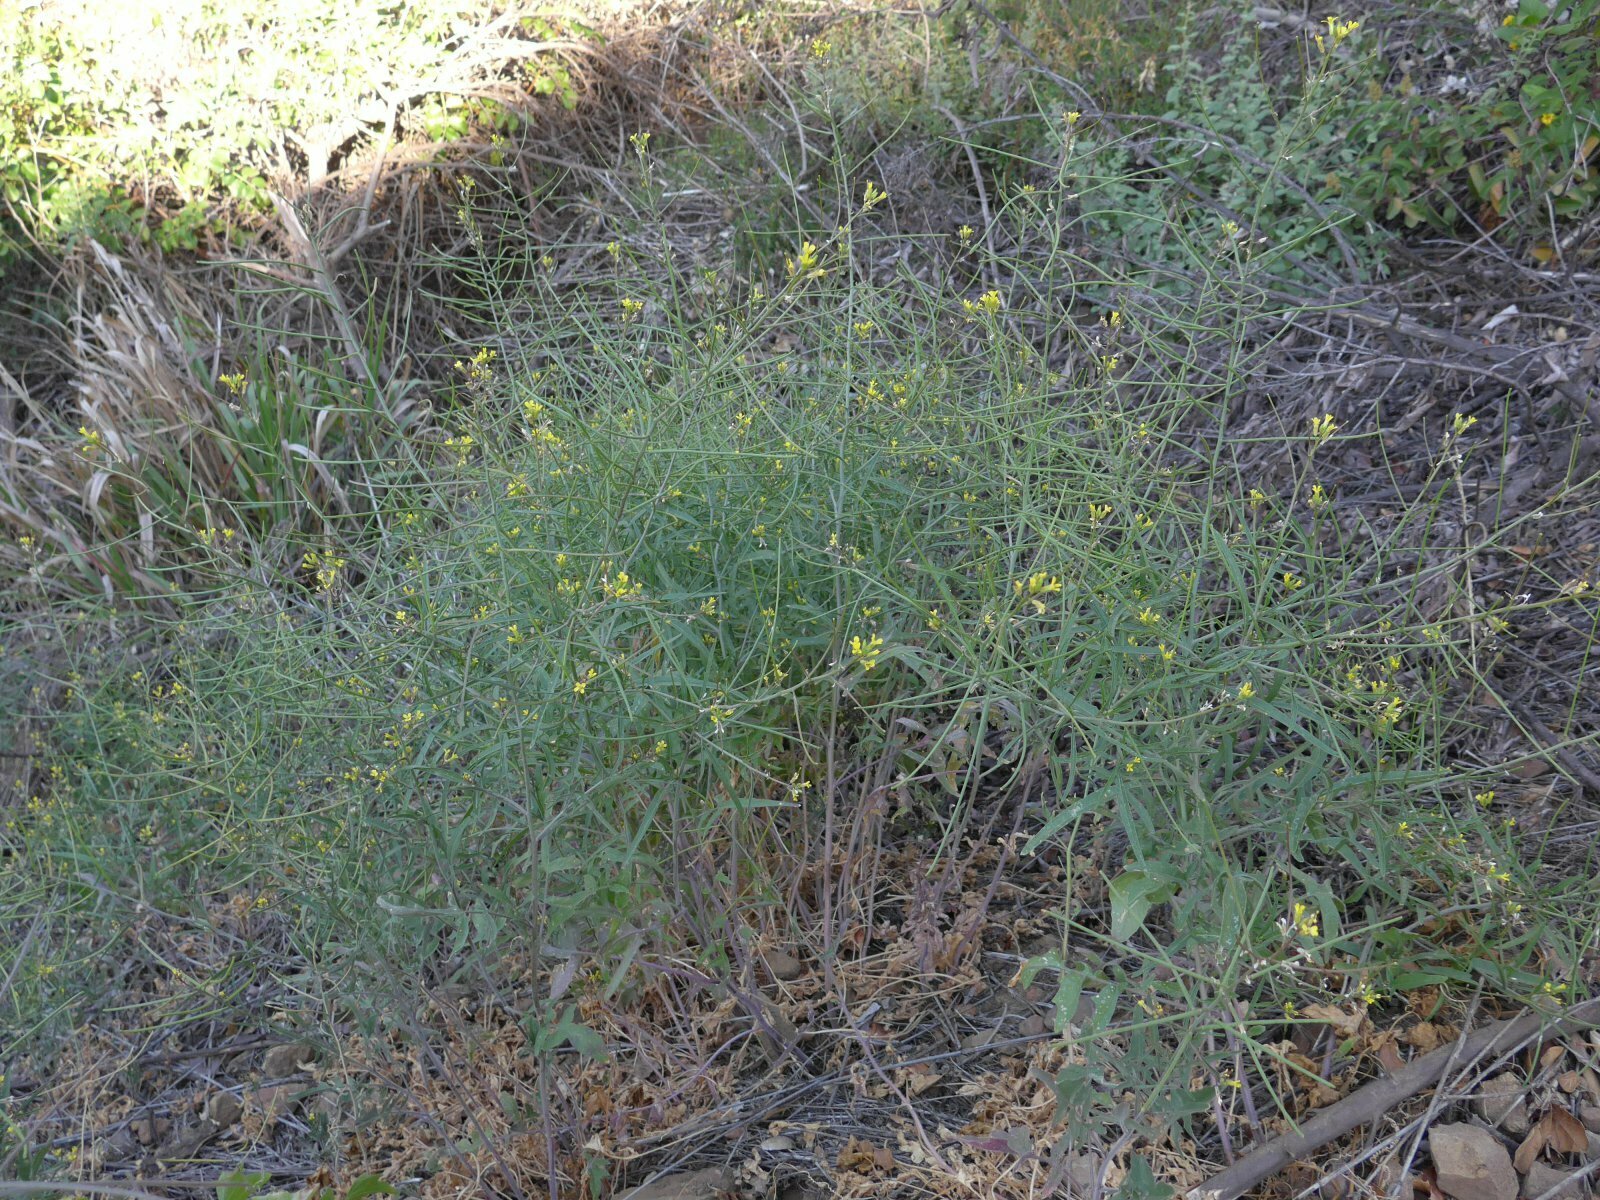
[973, 613]
[684, 557]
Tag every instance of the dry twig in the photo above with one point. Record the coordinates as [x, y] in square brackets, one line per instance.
[1381, 1095]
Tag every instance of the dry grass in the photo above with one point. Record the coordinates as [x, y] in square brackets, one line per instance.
[349, 266]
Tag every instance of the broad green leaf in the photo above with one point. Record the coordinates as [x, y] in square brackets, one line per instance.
[1068, 992]
[1133, 894]
[369, 1185]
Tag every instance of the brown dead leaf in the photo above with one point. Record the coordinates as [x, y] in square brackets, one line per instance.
[1423, 1002]
[1387, 1053]
[1567, 1081]
[1568, 1135]
[1345, 1024]
[1295, 1059]
[1551, 1056]
[1300, 1175]
[1591, 1083]
[918, 1078]
[1424, 1035]
[858, 1155]
[1426, 1183]
[1559, 1131]
[1528, 1153]
[1320, 1095]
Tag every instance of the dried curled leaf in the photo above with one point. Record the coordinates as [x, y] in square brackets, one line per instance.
[1559, 1131]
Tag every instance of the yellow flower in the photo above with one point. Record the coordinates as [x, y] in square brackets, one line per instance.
[875, 196]
[1547, 118]
[806, 265]
[866, 652]
[1037, 586]
[623, 587]
[1040, 585]
[1246, 690]
[1305, 921]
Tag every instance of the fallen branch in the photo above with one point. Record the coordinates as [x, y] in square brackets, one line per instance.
[1379, 1096]
[41, 1187]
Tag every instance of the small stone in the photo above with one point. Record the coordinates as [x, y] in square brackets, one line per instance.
[1471, 1164]
[1032, 1025]
[187, 1141]
[1500, 1102]
[270, 1101]
[980, 1038]
[783, 966]
[1541, 1178]
[283, 1061]
[695, 1185]
[151, 1130]
[119, 1147]
[224, 1108]
[778, 1142]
